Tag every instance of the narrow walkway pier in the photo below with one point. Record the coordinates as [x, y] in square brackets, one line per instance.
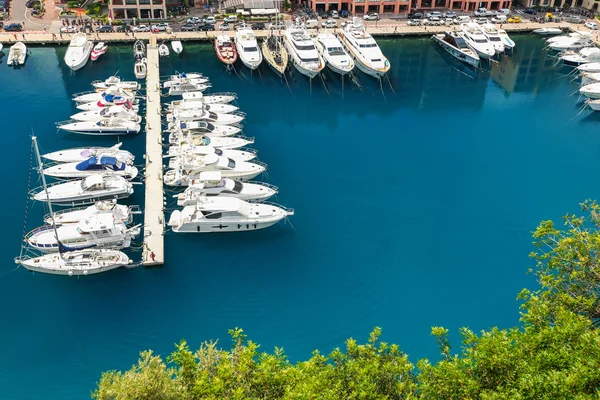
[154, 218]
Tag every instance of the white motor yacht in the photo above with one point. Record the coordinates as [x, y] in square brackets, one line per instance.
[187, 153]
[184, 81]
[302, 51]
[569, 36]
[214, 184]
[247, 47]
[177, 47]
[571, 43]
[589, 67]
[113, 111]
[115, 81]
[226, 214]
[189, 167]
[477, 40]
[86, 191]
[491, 33]
[190, 75]
[364, 49]
[204, 128]
[92, 166]
[509, 44]
[548, 31]
[591, 91]
[79, 51]
[140, 68]
[163, 50]
[107, 126]
[204, 115]
[110, 95]
[177, 139]
[96, 230]
[80, 154]
[180, 89]
[213, 98]
[183, 105]
[76, 263]
[455, 44]
[583, 56]
[17, 54]
[333, 53]
[119, 212]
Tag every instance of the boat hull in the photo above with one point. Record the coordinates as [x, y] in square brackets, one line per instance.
[56, 264]
[456, 53]
[217, 226]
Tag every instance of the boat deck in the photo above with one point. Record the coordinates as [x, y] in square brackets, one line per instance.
[154, 218]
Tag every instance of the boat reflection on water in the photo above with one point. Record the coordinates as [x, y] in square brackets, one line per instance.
[468, 70]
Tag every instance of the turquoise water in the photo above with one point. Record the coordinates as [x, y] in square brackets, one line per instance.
[413, 209]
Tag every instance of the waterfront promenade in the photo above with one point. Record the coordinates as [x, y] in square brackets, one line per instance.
[154, 218]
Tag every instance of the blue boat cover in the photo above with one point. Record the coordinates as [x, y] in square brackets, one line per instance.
[183, 75]
[108, 97]
[93, 163]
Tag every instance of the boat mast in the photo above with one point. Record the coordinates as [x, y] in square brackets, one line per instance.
[41, 172]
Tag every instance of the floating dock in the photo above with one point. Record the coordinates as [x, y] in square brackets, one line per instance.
[154, 218]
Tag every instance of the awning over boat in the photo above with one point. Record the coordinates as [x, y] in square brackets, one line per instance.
[93, 162]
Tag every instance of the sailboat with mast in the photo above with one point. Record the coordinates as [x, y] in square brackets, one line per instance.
[274, 51]
[67, 262]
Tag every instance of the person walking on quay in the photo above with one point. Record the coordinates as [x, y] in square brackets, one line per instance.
[44, 28]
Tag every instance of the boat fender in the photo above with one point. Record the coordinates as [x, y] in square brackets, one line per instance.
[70, 273]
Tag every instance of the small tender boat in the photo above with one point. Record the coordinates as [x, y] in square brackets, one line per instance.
[99, 49]
[455, 44]
[107, 126]
[247, 47]
[509, 44]
[585, 55]
[78, 52]
[92, 166]
[226, 214]
[203, 127]
[218, 142]
[86, 191]
[80, 154]
[548, 31]
[119, 212]
[590, 77]
[591, 91]
[214, 184]
[106, 112]
[275, 54]
[116, 82]
[76, 263]
[17, 54]
[109, 95]
[177, 46]
[140, 68]
[332, 51]
[225, 49]
[139, 50]
[204, 115]
[97, 230]
[200, 105]
[163, 50]
[184, 150]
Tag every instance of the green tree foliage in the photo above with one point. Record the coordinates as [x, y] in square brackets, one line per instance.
[553, 354]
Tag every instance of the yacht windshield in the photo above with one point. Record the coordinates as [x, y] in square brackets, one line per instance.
[250, 49]
[304, 47]
[480, 40]
[494, 39]
[231, 163]
[460, 43]
[335, 51]
[237, 186]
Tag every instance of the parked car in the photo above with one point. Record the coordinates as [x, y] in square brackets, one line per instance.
[334, 14]
[230, 19]
[225, 26]
[160, 28]
[311, 23]
[210, 20]
[371, 17]
[277, 25]
[206, 27]
[463, 19]
[124, 28]
[323, 15]
[13, 28]
[449, 14]
[416, 15]
[514, 19]
[530, 11]
[105, 29]
[499, 19]
[344, 13]
[68, 29]
[258, 26]
[330, 23]
[194, 20]
[141, 28]
[482, 21]
[591, 25]
[484, 12]
[433, 21]
[433, 14]
[573, 19]
[189, 27]
[414, 22]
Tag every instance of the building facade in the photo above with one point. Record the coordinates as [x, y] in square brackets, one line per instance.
[405, 6]
[140, 9]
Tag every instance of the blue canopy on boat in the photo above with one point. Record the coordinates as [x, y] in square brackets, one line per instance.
[94, 163]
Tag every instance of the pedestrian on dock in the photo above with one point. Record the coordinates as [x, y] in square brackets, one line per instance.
[54, 36]
[44, 28]
[15, 35]
[23, 36]
[152, 256]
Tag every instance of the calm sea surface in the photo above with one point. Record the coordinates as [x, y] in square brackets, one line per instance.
[413, 209]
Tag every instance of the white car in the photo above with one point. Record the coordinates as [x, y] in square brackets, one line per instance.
[210, 20]
[141, 28]
[414, 22]
[334, 14]
[230, 19]
[371, 17]
[194, 20]
[482, 21]
[433, 21]
[330, 23]
[449, 14]
[592, 25]
[433, 14]
[68, 29]
[278, 25]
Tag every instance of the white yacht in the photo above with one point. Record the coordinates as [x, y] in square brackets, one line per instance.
[179, 139]
[594, 105]
[79, 51]
[247, 47]
[113, 111]
[97, 230]
[86, 191]
[226, 214]
[189, 167]
[185, 148]
[302, 51]
[333, 53]
[574, 41]
[589, 77]
[204, 115]
[181, 81]
[177, 47]
[110, 95]
[455, 44]
[104, 127]
[477, 40]
[591, 91]
[589, 67]
[214, 184]
[569, 36]
[17, 54]
[203, 127]
[364, 49]
[583, 56]
[181, 89]
[140, 68]
[509, 44]
[190, 75]
[92, 166]
[491, 33]
[80, 154]
[119, 212]
[184, 105]
[214, 98]
[548, 31]
[115, 81]
[76, 263]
